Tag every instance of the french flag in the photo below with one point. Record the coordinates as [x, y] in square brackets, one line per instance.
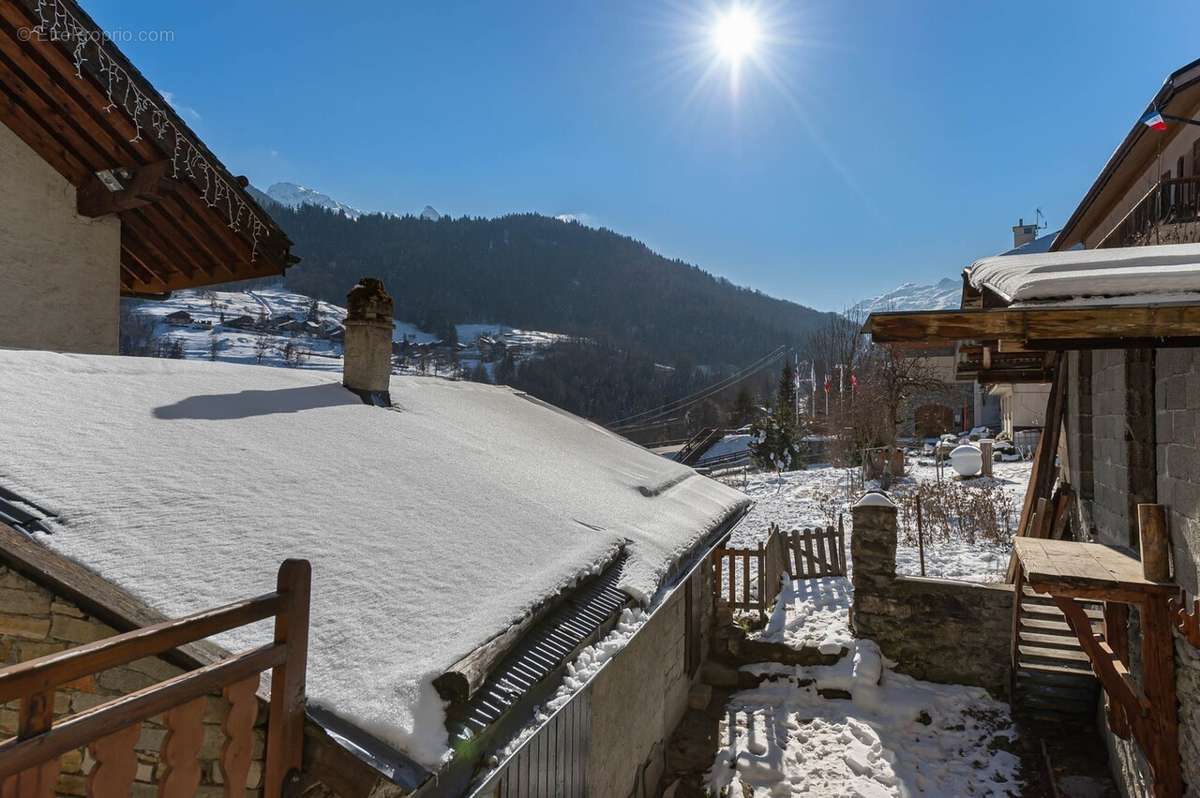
[1154, 121]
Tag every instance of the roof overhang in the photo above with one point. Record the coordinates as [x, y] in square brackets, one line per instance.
[1044, 328]
[1179, 95]
[69, 93]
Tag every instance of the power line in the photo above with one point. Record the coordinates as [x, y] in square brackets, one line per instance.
[675, 405]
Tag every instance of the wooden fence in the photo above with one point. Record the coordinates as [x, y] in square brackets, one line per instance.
[29, 762]
[749, 579]
[814, 552]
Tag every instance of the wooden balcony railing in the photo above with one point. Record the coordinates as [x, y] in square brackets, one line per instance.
[29, 762]
[1169, 213]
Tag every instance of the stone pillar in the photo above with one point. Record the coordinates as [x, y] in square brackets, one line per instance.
[873, 559]
[367, 352]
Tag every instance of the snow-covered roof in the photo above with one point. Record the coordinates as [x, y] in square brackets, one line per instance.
[431, 526]
[1158, 274]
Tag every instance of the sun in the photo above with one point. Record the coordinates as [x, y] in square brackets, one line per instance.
[736, 34]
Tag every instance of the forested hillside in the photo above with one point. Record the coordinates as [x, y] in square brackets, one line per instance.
[537, 272]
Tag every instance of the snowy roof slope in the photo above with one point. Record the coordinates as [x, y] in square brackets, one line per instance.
[430, 527]
[1155, 274]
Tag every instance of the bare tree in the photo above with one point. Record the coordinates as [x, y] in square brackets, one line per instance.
[261, 347]
[888, 378]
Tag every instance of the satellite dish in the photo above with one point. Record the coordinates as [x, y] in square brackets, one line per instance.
[967, 460]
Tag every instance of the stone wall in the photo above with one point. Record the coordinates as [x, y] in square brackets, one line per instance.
[935, 629]
[34, 622]
[60, 271]
[640, 697]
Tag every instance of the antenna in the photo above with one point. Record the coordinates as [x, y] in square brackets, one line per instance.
[1040, 220]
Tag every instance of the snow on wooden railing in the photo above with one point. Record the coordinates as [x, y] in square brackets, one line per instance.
[29, 762]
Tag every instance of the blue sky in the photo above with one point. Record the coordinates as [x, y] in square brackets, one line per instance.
[889, 141]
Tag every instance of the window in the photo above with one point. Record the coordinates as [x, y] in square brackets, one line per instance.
[1196, 157]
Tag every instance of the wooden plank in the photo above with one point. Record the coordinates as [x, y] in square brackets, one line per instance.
[80, 729]
[52, 670]
[732, 580]
[811, 563]
[94, 595]
[1065, 327]
[821, 555]
[798, 568]
[1161, 737]
[238, 749]
[181, 749]
[746, 581]
[841, 533]
[1111, 672]
[116, 763]
[286, 741]
[1116, 633]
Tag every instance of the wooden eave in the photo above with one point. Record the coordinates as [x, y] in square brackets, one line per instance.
[985, 363]
[1048, 328]
[173, 235]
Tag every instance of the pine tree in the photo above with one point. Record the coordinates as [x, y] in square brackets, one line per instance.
[786, 402]
[743, 407]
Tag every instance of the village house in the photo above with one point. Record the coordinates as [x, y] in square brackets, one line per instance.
[180, 318]
[452, 559]
[1110, 318]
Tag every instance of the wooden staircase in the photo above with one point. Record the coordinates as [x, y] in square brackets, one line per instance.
[698, 444]
[1052, 677]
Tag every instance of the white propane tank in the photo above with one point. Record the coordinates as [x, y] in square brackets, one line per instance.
[967, 460]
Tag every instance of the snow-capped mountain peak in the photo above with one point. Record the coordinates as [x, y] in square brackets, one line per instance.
[293, 196]
[429, 214]
[944, 294]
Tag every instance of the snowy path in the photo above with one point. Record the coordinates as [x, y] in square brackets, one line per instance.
[897, 736]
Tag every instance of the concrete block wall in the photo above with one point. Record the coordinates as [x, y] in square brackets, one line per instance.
[35, 622]
[1110, 462]
[935, 629]
[1124, 449]
[640, 697]
[1177, 403]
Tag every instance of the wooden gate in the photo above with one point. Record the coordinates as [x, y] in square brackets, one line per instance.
[29, 762]
[748, 579]
[816, 551]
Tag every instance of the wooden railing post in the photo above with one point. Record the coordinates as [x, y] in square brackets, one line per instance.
[285, 733]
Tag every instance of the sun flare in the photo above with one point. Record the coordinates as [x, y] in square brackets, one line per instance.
[736, 34]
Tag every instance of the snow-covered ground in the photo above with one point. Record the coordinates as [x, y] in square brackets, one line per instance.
[896, 736]
[818, 495]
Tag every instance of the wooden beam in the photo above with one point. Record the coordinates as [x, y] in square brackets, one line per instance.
[1047, 328]
[147, 184]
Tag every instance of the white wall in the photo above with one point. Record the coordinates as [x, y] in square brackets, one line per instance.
[59, 272]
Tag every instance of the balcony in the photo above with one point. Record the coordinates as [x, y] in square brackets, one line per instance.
[1168, 214]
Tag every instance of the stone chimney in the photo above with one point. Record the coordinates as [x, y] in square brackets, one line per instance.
[367, 358]
[1023, 233]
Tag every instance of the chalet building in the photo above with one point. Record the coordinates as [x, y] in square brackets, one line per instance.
[107, 192]
[180, 318]
[1110, 318]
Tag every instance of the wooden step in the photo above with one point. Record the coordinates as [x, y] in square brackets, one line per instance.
[1044, 672]
[1052, 611]
[1053, 654]
[1043, 625]
[1067, 692]
[1067, 642]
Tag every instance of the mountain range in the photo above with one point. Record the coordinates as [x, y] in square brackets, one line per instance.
[533, 271]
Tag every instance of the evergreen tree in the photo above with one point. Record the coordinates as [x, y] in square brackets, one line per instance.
[786, 399]
[743, 407]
